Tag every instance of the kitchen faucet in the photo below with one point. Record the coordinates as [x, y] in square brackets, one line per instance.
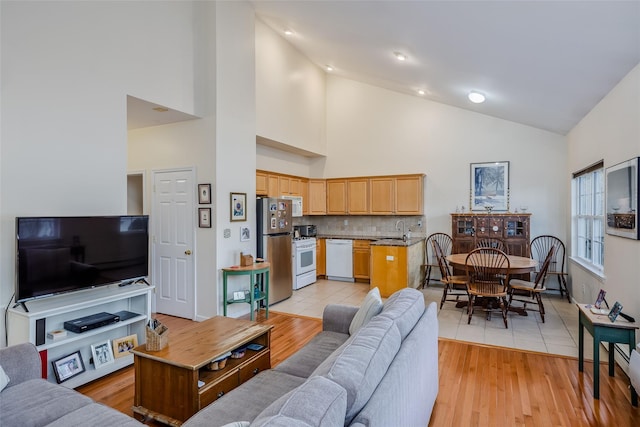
[404, 236]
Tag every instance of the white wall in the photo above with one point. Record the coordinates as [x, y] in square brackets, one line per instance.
[611, 131]
[373, 131]
[290, 93]
[236, 141]
[67, 68]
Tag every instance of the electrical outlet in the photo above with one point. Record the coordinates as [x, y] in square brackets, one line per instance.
[389, 257]
[419, 223]
[346, 222]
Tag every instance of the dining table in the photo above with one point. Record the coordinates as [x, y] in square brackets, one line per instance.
[517, 265]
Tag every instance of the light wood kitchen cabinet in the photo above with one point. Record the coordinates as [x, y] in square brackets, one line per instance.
[317, 197]
[284, 183]
[272, 185]
[361, 260]
[397, 195]
[262, 184]
[358, 196]
[409, 191]
[336, 196]
[382, 195]
[321, 257]
[304, 192]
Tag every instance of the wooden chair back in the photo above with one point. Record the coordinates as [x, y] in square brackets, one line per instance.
[540, 248]
[444, 241]
[491, 243]
[488, 271]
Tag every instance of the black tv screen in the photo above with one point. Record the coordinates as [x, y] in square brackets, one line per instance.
[64, 254]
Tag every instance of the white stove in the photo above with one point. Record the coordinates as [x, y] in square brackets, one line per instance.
[304, 261]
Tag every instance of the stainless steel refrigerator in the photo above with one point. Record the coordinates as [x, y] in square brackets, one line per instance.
[274, 245]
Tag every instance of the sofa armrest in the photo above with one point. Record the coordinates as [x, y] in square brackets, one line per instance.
[338, 317]
[21, 362]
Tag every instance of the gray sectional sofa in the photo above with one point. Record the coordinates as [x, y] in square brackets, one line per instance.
[28, 400]
[384, 374]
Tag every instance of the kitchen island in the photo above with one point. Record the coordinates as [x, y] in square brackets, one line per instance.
[396, 264]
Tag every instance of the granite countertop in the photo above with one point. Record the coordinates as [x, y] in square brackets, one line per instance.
[376, 240]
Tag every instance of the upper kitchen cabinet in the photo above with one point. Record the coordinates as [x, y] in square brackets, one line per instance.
[289, 186]
[358, 196]
[336, 196]
[397, 195]
[262, 185]
[304, 192]
[409, 191]
[317, 197]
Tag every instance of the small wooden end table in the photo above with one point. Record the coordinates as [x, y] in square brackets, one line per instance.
[602, 329]
[252, 271]
[174, 383]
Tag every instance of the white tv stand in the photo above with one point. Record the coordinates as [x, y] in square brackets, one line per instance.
[55, 310]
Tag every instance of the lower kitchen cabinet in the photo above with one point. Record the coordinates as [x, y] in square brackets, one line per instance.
[361, 258]
[396, 267]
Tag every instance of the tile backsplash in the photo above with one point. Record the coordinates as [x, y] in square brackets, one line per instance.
[365, 225]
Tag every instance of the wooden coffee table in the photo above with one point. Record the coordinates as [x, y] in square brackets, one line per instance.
[174, 383]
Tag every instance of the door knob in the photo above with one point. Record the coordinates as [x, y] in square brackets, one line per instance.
[187, 252]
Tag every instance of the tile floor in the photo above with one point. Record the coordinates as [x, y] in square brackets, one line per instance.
[558, 335]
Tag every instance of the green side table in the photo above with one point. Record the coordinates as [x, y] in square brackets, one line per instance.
[252, 271]
[602, 329]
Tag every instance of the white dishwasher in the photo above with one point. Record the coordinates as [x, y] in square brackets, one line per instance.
[340, 260]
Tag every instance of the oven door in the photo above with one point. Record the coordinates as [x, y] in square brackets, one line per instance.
[305, 257]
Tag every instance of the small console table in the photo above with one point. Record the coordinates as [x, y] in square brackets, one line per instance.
[252, 271]
[603, 329]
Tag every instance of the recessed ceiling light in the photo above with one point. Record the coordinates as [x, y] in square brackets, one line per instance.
[288, 32]
[161, 109]
[328, 68]
[476, 97]
[420, 92]
[400, 56]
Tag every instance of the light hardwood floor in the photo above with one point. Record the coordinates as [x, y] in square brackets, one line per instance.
[480, 385]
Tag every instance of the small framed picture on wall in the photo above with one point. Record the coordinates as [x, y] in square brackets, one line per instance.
[204, 217]
[204, 194]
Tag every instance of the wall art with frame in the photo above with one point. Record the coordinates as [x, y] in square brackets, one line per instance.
[204, 194]
[489, 186]
[622, 186]
[204, 217]
[238, 207]
[68, 366]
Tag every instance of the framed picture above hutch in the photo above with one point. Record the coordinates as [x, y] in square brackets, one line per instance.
[622, 183]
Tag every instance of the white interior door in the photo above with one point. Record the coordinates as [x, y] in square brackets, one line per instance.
[173, 242]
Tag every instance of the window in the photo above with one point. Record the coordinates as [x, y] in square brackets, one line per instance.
[587, 216]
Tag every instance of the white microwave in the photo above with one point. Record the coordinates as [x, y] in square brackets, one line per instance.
[296, 204]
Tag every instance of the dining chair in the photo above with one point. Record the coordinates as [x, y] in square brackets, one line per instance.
[488, 271]
[453, 285]
[491, 242]
[431, 259]
[539, 249]
[532, 290]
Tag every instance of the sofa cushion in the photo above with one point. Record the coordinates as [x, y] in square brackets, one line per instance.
[361, 363]
[318, 402]
[407, 393]
[4, 379]
[37, 403]
[246, 401]
[303, 362]
[371, 306]
[96, 415]
[404, 307]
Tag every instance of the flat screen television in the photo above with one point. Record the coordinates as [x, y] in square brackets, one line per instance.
[65, 254]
